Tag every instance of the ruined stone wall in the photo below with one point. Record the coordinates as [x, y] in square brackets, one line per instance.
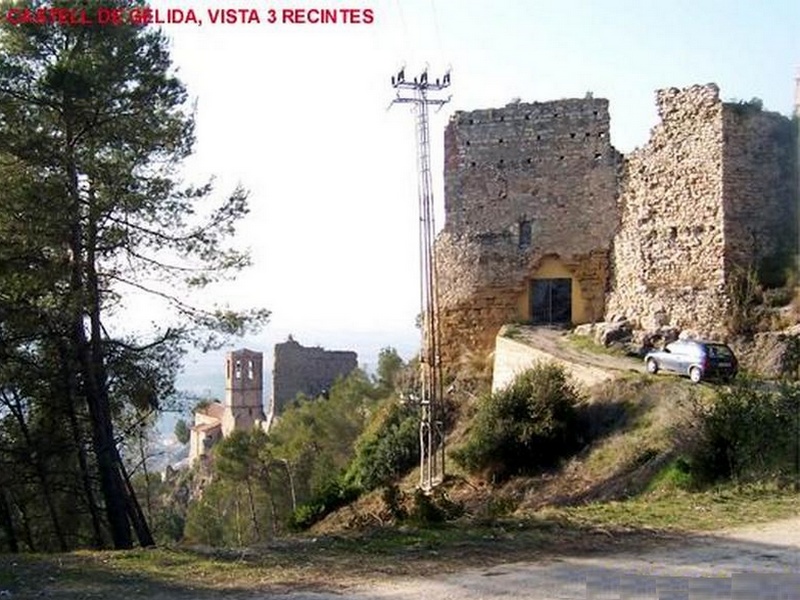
[538, 191]
[760, 191]
[714, 191]
[521, 183]
[669, 265]
[310, 371]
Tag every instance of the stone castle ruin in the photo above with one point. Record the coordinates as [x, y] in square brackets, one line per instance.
[546, 223]
[298, 369]
[310, 371]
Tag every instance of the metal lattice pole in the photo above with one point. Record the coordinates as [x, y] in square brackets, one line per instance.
[431, 427]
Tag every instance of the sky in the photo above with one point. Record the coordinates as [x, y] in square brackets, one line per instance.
[299, 115]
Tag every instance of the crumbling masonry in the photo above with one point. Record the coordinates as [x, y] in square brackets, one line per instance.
[310, 371]
[547, 223]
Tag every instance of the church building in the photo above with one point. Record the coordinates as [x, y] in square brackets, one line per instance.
[242, 408]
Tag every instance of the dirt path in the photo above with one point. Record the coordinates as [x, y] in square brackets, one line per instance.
[755, 562]
[529, 345]
[555, 341]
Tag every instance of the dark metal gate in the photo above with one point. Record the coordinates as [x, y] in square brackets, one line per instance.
[551, 301]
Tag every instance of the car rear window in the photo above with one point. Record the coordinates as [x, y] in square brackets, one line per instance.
[719, 351]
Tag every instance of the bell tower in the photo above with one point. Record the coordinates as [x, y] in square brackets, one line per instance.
[244, 390]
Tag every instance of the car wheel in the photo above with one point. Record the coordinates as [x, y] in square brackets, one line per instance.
[695, 374]
[652, 366]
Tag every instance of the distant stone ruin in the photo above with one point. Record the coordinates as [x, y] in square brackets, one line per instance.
[308, 371]
[297, 370]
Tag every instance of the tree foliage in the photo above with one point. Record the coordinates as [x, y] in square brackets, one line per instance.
[320, 454]
[749, 433]
[390, 367]
[525, 428]
[317, 436]
[182, 432]
[250, 494]
[388, 448]
[94, 125]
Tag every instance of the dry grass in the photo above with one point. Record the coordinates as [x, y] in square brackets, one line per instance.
[335, 563]
[326, 564]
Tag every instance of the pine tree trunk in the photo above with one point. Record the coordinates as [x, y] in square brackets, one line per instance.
[103, 442]
[97, 362]
[252, 504]
[7, 523]
[26, 526]
[68, 374]
[137, 516]
[35, 457]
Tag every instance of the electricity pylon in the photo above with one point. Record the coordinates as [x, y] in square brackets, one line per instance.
[431, 426]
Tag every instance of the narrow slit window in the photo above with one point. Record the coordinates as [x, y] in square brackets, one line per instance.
[525, 233]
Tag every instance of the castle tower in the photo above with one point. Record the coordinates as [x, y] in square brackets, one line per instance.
[244, 390]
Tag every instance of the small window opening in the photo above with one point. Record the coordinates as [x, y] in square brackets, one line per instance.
[250, 370]
[525, 234]
[572, 135]
[238, 370]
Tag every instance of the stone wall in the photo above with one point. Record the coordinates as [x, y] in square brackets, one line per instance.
[759, 191]
[669, 265]
[522, 183]
[658, 236]
[713, 193]
[310, 371]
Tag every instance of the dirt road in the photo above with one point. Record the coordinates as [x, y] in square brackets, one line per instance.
[745, 564]
[530, 345]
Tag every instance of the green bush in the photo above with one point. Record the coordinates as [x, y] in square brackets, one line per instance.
[528, 427]
[334, 494]
[750, 433]
[675, 475]
[430, 509]
[393, 499]
[388, 449]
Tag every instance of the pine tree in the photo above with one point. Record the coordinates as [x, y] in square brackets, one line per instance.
[94, 125]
